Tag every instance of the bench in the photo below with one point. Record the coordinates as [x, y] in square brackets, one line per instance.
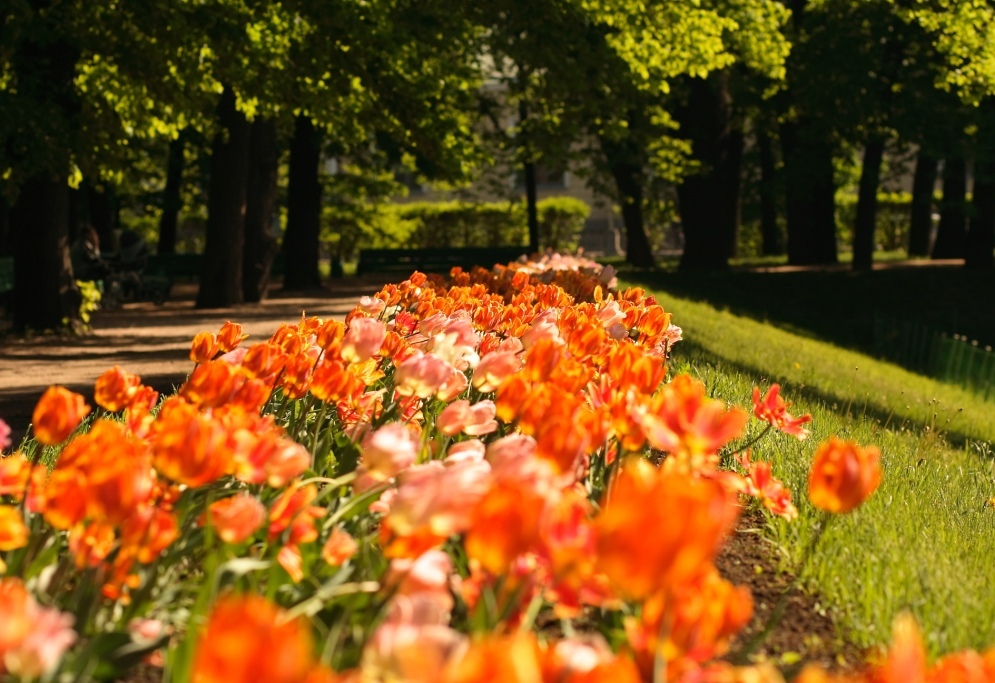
[176, 266]
[190, 266]
[434, 260]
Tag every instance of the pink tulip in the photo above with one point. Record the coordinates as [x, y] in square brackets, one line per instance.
[389, 450]
[472, 419]
[494, 368]
[363, 339]
[422, 375]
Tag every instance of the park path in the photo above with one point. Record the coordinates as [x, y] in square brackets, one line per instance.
[148, 340]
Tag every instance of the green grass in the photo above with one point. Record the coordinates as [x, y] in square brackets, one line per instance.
[924, 540]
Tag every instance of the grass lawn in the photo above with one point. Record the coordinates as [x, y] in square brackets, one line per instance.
[925, 539]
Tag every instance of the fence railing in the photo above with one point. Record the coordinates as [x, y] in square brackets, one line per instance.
[949, 358]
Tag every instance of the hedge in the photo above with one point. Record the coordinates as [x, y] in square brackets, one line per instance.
[351, 227]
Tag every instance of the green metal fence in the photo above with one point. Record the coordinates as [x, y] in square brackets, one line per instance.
[950, 358]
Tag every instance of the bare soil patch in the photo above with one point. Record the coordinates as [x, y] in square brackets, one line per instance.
[806, 632]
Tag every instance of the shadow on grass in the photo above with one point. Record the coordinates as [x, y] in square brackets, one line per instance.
[694, 352]
[840, 306]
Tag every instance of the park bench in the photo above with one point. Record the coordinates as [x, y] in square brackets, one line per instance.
[435, 260]
[176, 266]
[190, 266]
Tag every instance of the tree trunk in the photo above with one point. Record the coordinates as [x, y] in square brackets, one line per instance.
[260, 242]
[626, 169]
[6, 248]
[981, 233]
[710, 200]
[952, 234]
[921, 219]
[811, 196]
[171, 199]
[867, 205]
[302, 239]
[45, 294]
[221, 277]
[531, 202]
[773, 239]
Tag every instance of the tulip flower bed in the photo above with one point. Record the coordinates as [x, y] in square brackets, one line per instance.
[487, 477]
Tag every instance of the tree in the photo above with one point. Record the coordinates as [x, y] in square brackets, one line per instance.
[300, 243]
[40, 128]
[260, 209]
[221, 277]
[171, 198]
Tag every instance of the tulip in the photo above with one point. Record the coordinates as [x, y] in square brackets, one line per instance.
[843, 475]
[58, 413]
[204, 347]
[237, 517]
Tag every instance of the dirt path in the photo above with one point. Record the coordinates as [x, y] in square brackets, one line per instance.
[151, 341]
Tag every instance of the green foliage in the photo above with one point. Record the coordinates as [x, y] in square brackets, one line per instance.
[89, 302]
[354, 225]
[892, 220]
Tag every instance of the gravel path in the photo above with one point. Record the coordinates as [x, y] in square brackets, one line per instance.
[151, 341]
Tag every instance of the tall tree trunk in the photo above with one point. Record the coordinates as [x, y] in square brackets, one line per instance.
[981, 231]
[770, 231]
[811, 195]
[302, 239]
[952, 234]
[45, 295]
[171, 199]
[710, 201]
[531, 201]
[45, 292]
[867, 204]
[260, 242]
[221, 277]
[980, 251]
[6, 248]
[626, 168]
[921, 219]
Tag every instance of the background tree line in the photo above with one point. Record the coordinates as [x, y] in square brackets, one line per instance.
[198, 106]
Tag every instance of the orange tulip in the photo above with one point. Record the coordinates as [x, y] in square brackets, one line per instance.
[661, 528]
[15, 470]
[339, 547]
[189, 447]
[58, 413]
[13, 532]
[702, 617]
[204, 347]
[505, 524]
[237, 517]
[17, 608]
[906, 660]
[843, 475]
[248, 639]
[210, 384]
[230, 336]
[683, 421]
[773, 410]
[115, 389]
[509, 659]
